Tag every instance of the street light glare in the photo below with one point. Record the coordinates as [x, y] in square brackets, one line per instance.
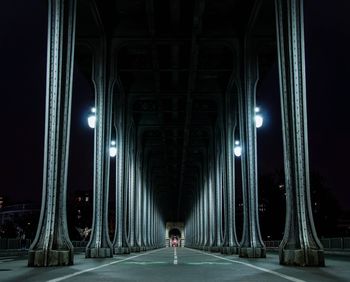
[92, 121]
[112, 149]
[259, 121]
[92, 118]
[237, 150]
[112, 152]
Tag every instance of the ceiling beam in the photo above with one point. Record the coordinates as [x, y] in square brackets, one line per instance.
[196, 29]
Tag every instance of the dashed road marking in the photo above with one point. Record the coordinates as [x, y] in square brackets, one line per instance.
[6, 260]
[146, 262]
[175, 256]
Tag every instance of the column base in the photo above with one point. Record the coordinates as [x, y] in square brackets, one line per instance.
[121, 251]
[135, 249]
[229, 250]
[302, 257]
[99, 253]
[214, 249]
[50, 257]
[248, 252]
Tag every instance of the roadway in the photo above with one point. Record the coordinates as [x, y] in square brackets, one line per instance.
[175, 264]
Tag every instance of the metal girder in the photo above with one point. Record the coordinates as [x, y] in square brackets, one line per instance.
[300, 244]
[196, 28]
[52, 246]
[155, 64]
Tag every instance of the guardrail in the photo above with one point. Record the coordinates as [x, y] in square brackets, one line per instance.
[329, 244]
[14, 244]
[18, 244]
[79, 244]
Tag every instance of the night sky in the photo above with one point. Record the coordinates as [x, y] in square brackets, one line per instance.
[23, 29]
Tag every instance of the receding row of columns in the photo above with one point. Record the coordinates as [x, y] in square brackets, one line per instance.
[211, 222]
[139, 225]
[300, 244]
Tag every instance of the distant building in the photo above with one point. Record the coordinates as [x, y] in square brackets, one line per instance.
[19, 217]
[16, 213]
[2, 202]
[80, 207]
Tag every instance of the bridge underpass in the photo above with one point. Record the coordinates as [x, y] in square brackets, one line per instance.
[159, 265]
[175, 86]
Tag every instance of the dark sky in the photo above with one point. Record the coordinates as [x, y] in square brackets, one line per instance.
[23, 31]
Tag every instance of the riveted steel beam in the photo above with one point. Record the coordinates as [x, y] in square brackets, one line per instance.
[52, 246]
[300, 244]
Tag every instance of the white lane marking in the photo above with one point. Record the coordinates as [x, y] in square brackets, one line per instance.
[97, 267]
[209, 262]
[287, 277]
[6, 260]
[146, 262]
[175, 256]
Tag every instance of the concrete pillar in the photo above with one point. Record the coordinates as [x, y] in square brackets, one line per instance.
[231, 242]
[144, 244]
[202, 211]
[252, 245]
[120, 245]
[99, 245]
[300, 244]
[149, 214]
[206, 203]
[148, 209]
[217, 177]
[138, 208]
[212, 203]
[198, 223]
[51, 246]
[205, 208]
[233, 245]
[152, 218]
[132, 192]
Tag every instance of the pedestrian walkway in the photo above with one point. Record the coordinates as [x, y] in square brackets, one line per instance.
[180, 264]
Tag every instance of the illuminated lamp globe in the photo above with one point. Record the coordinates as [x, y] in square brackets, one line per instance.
[92, 118]
[237, 150]
[112, 150]
[259, 120]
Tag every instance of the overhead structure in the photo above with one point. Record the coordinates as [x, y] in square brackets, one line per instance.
[175, 86]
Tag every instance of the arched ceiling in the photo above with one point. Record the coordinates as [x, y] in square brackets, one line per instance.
[175, 60]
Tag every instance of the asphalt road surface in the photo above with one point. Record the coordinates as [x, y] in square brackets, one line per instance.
[174, 264]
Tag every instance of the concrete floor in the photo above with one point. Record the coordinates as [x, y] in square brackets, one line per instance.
[178, 264]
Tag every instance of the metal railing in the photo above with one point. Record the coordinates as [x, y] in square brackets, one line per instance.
[14, 244]
[18, 244]
[329, 244]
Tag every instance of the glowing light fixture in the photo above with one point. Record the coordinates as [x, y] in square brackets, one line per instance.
[92, 118]
[112, 149]
[259, 120]
[237, 150]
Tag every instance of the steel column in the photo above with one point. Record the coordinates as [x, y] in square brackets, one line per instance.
[99, 244]
[52, 246]
[300, 244]
[251, 244]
